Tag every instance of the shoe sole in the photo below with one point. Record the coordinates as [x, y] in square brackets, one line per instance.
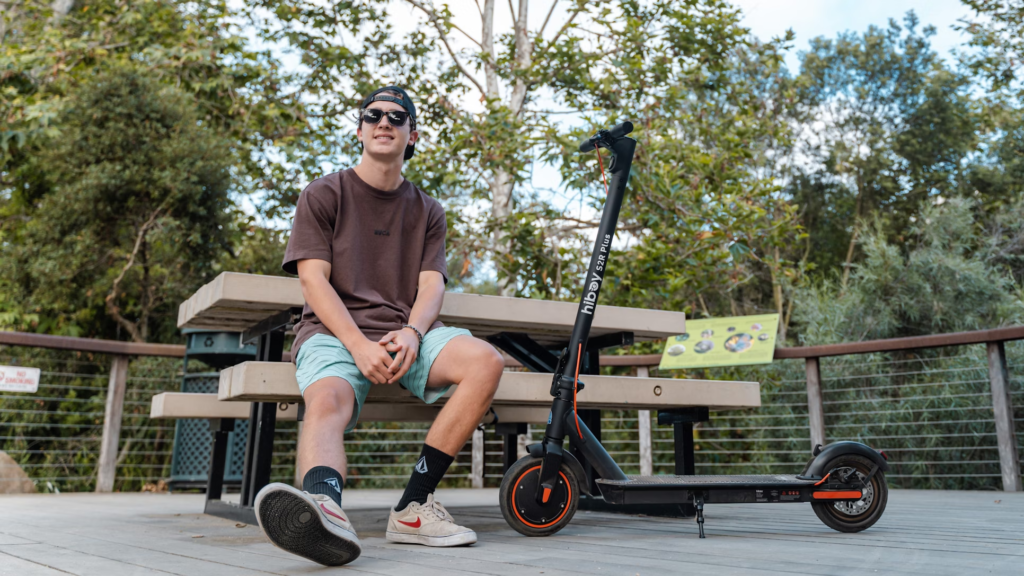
[294, 525]
[463, 539]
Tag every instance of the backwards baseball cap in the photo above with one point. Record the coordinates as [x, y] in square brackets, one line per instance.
[402, 100]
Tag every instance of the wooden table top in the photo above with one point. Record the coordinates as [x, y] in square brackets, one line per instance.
[235, 302]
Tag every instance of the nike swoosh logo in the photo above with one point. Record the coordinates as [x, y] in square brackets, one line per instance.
[326, 511]
[415, 524]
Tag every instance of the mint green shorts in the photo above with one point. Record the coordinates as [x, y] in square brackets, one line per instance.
[322, 356]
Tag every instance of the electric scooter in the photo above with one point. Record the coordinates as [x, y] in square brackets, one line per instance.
[844, 482]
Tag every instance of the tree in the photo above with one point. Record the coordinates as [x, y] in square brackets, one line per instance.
[135, 213]
[651, 61]
[49, 49]
[862, 88]
[997, 36]
[950, 279]
[888, 125]
[996, 61]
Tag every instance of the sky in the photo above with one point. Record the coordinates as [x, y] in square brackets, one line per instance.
[765, 18]
[811, 18]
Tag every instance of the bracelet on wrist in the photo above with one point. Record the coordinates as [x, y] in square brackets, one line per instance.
[418, 335]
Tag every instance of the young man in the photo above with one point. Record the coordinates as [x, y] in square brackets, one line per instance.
[368, 247]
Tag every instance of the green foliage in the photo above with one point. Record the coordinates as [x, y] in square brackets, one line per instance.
[700, 219]
[895, 127]
[749, 182]
[997, 40]
[255, 249]
[947, 281]
[196, 47]
[131, 210]
[667, 63]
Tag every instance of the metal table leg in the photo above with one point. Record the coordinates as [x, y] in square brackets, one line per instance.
[262, 422]
[260, 445]
[509, 432]
[682, 421]
[220, 427]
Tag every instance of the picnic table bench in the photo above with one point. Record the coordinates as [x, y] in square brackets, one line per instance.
[263, 308]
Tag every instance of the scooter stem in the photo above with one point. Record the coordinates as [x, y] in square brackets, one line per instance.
[563, 386]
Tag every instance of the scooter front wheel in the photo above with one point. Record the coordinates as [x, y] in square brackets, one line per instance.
[519, 504]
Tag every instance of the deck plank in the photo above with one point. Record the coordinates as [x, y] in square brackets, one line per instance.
[69, 561]
[12, 565]
[934, 533]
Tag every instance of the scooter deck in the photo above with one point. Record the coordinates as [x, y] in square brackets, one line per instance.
[708, 482]
[739, 488]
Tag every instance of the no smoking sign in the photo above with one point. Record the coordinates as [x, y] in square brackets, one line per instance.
[19, 379]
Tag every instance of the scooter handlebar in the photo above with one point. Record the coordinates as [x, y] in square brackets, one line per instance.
[613, 133]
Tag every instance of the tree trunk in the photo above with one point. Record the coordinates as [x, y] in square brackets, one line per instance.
[61, 8]
[777, 294]
[501, 209]
[524, 59]
[111, 300]
[147, 292]
[502, 182]
[487, 42]
[856, 232]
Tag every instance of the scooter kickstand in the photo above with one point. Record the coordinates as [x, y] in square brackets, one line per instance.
[699, 503]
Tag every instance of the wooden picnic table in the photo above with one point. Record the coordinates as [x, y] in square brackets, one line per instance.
[263, 308]
[239, 302]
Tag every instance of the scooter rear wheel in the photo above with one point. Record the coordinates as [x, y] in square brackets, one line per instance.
[854, 516]
[519, 505]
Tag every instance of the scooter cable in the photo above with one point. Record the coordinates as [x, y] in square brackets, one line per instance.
[603, 177]
[575, 388]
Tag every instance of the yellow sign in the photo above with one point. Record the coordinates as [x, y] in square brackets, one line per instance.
[737, 341]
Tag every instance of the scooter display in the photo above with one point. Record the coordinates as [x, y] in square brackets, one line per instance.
[844, 482]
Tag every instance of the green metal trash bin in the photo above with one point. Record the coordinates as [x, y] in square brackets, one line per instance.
[190, 461]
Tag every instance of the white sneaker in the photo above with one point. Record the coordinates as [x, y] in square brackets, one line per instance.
[428, 524]
[309, 525]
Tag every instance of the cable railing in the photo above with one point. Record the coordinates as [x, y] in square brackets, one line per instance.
[931, 403]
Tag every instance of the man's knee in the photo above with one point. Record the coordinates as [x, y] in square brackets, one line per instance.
[330, 398]
[491, 364]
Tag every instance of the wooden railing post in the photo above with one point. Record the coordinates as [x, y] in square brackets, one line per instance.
[107, 467]
[477, 470]
[1002, 409]
[644, 428]
[522, 441]
[815, 408]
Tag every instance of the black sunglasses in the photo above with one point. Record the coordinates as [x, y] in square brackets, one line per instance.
[396, 118]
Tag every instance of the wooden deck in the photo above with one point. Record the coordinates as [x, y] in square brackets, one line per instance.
[930, 533]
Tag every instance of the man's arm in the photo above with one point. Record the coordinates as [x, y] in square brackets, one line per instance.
[429, 297]
[371, 358]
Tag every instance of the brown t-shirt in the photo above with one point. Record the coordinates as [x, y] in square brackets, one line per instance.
[377, 243]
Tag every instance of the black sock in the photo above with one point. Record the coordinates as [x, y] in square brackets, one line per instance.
[429, 469]
[324, 480]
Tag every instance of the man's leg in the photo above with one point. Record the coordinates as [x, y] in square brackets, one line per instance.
[310, 522]
[321, 452]
[475, 367]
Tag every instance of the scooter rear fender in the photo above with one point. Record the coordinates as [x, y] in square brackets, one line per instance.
[815, 469]
[537, 451]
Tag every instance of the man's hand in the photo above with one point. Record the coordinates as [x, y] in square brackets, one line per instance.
[373, 360]
[406, 347]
